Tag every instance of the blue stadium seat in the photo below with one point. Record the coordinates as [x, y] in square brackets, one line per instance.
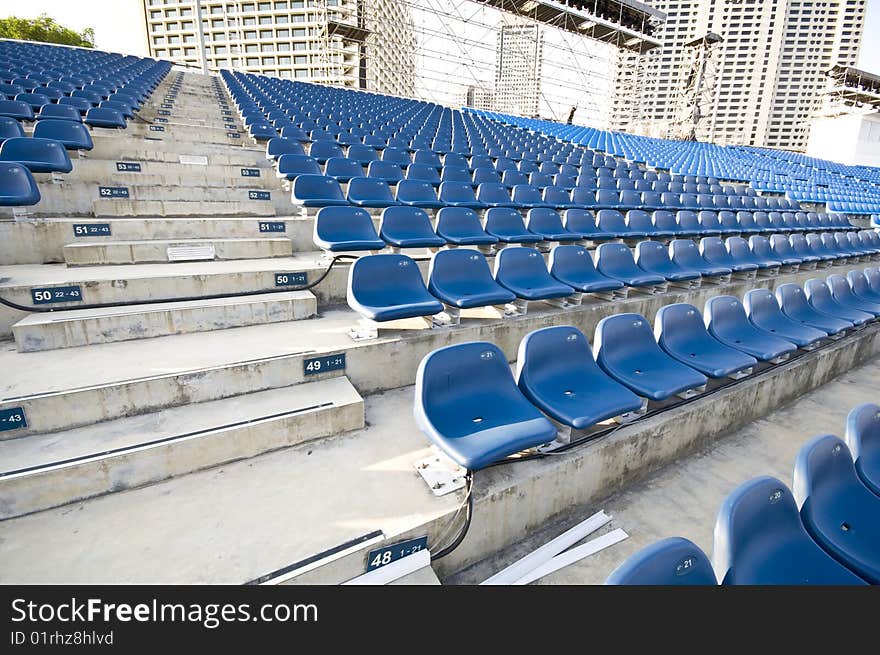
[417, 193]
[710, 223]
[461, 278]
[507, 225]
[527, 196]
[666, 225]
[546, 223]
[80, 104]
[728, 223]
[675, 561]
[467, 402]
[386, 171]
[780, 248]
[613, 223]
[819, 296]
[389, 287]
[523, 271]
[726, 320]
[60, 113]
[426, 156]
[343, 169]
[458, 194]
[367, 192]
[863, 439]
[17, 185]
[686, 254]
[582, 222]
[494, 195]
[837, 509]
[292, 165]
[765, 314]
[38, 155]
[843, 294]
[557, 197]
[424, 173]
[408, 227]
[10, 129]
[626, 350]
[680, 331]
[454, 174]
[105, 117]
[747, 224]
[279, 146]
[858, 281]
[16, 109]
[873, 276]
[363, 154]
[323, 150]
[460, 226]
[316, 191]
[652, 257]
[339, 229]
[742, 254]
[793, 303]
[802, 249]
[34, 100]
[760, 540]
[714, 251]
[73, 136]
[556, 371]
[615, 260]
[689, 223]
[573, 265]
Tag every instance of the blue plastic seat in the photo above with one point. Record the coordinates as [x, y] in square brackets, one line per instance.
[747, 224]
[344, 229]
[765, 314]
[554, 196]
[455, 174]
[760, 540]
[408, 227]
[616, 261]
[417, 193]
[837, 509]
[709, 222]
[689, 223]
[461, 226]
[728, 223]
[858, 281]
[626, 350]
[73, 136]
[793, 303]
[363, 154]
[802, 249]
[105, 117]
[582, 222]
[507, 225]
[343, 169]
[819, 296]
[60, 113]
[292, 165]
[666, 225]
[742, 254]
[873, 276]
[652, 257]
[863, 439]
[279, 146]
[33, 100]
[613, 223]
[639, 224]
[546, 223]
[714, 251]
[10, 129]
[726, 320]
[680, 332]
[780, 248]
[324, 149]
[458, 194]
[573, 265]
[527, 196]
[80, 104]
[16, 109]
[386, 171]
[675, 561]
[523, 271]
[843, 294]
[686, 254]
[38, 155]
[17, 186]
[316, 191]
[389, 287]
[461, 278]
[556, 371]
[493, 194]
[466, 402]
[367, 192]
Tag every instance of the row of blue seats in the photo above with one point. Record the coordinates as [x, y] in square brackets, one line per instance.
[826, 532]
[110, 113]
[468, 403]
[317, 190]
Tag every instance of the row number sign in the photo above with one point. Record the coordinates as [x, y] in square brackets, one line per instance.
[46, 296]
[324, 364]
[12, 419]
[159, 119]
[272, 226]
[91, 230]
[233, 135]
[157, 128]
[128, 167]
[164, 112]
[250, 172]
[380, 557]
[259, 195]
[297, 279]
[113, 191]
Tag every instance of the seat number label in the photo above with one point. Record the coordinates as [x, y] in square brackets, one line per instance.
[164, 112]
[45, 296]
[324, 364]
[113, 191]
[380, 557]
[250, 172]
[91, 230]
[157, 128]
[161, 120]
[233, 135]
[291, 279]
[272, 226]
[12, 419]
[259, 195]
[128, 167]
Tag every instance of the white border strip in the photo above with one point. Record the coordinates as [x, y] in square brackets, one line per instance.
[565, 559]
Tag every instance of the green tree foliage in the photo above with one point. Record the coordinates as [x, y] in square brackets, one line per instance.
[46, 30]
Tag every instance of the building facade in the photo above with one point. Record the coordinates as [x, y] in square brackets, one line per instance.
[518, 54]
[366, 44]
[769, 69]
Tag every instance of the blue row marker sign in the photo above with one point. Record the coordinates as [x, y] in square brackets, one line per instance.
[379, 557]
[272, 226]
[12, 419]
[259, 195]
[45, 296]
[113, 191]
[324, 364]
[250, 172]
[297, 279]
[128, 167]
[91, 229]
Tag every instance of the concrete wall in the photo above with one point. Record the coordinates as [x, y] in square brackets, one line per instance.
[852, 139]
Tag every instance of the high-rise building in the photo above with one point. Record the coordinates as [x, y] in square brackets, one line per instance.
[518, 54]
[479, 97]
[769, 69]
[368, 44]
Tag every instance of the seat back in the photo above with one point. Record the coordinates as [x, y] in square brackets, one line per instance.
[341, 224]
[689, 222]
[685, 253]
[760, 246]
[863, 439]
[652, 256]
[39, 155]
[74, 136]
[460, 266]
[316, 189]
[638, 220]
[715, 252]
[616, 260]
[781, 248]
[459, 222]
[455, 193]
[675, 561]
[709, 221]
[290, 165]
[679, 327]
[17, 186]
[664, 221]
[520, 267]
[611, 221]
[60, 112]
[543, 220]
[385, 279]
[403, 222]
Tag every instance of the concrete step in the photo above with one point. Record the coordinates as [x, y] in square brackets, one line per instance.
[138, 208]
[114, 146]
[159, 251]
[198, 134]
[106, 172]
[49, 470]
[361, 491]
[70, 329]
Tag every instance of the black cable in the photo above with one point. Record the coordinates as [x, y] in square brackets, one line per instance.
[216, 296]
[469, 503]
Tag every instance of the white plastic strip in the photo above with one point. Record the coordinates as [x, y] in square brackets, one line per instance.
[543, 554]
[394, 571]
[565, 559]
